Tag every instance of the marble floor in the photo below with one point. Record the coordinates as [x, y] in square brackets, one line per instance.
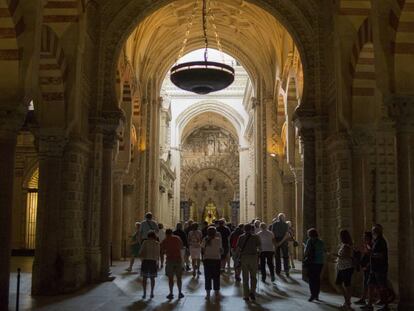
[124, 293]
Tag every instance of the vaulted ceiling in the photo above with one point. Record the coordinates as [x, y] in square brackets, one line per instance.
[248, 33]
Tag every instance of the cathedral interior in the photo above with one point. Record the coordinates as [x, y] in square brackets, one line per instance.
[318, 124]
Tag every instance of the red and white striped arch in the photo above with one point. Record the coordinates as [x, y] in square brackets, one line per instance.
[52, 69]
[401, 21]
[363, 74]
[11, 28]
[60, 14]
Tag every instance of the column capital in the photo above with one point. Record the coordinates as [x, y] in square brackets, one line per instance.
[110, 122]
[11, 120]
[362, 139]
[401, 109]
[51, 142]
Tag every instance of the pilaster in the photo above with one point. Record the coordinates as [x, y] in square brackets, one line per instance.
[10, 123]
[110, 124]
[48, 268]
[401, 109]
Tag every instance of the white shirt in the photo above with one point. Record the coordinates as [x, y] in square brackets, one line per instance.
[161, 235]
[266, 238]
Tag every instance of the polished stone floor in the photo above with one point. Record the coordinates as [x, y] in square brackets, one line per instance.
[124, 293]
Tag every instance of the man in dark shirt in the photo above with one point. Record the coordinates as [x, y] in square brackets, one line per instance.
[280, 230]
[378, 269]
[225, 234]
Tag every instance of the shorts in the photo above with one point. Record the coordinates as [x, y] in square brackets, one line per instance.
[174, 268]
[344, 277]
[149, 268]
[378, 279]
[195, 252]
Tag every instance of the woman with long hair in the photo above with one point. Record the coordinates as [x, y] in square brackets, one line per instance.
[194, 242]
[212, 249]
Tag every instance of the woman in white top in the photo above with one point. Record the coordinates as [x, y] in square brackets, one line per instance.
[150, 254]
[345, 267]
[194, 241]
[212, 249]
[267, 251]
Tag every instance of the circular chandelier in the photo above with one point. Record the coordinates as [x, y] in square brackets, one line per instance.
[202, 77]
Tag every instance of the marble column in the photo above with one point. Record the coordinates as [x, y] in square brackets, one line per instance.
[109, 141]
[48, 267]
[117, 215]
[402, 110]
[9, 125]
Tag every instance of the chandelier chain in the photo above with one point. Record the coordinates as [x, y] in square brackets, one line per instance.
[216, 34]
[205, 29]
[190, 21]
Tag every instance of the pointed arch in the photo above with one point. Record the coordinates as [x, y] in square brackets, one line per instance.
[402, 47]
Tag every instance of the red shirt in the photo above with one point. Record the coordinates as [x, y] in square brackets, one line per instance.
[171, 246]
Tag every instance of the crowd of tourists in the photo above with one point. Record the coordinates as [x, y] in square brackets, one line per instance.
[253, 247]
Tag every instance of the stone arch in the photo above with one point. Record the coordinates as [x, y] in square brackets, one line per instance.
[10, 52]
[204, 106]
[402, 46]
[355, 8]
[363, 75]
[196, 170]
[298, 19]
[52, 78]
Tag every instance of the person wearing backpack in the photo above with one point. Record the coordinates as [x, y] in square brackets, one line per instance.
[314, 258]
[249, 246]
[345, 267]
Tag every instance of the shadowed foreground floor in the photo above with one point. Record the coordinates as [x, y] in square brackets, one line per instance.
[124, 293]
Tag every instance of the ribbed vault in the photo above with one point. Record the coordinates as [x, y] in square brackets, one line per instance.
[248, 33]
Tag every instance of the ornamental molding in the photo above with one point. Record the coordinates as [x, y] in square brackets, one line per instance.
[401, 110]
[51, 142]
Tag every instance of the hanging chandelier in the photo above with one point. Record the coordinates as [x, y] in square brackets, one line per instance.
[202, 77]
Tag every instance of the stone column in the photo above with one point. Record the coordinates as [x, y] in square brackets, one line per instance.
[109, 141]
[288, 198]
[307, 139]
[402, 110]
[117, 215]
[9, 125]
[48, 267]
[129, 217]
[299, 209]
